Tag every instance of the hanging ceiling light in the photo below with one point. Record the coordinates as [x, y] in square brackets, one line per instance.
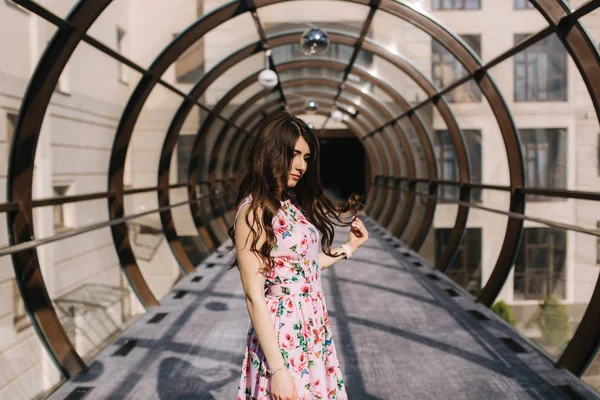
[314, 41]
[311, 107]
[267, 77]
[337, 115]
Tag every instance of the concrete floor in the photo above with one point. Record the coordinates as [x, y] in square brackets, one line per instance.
[400, 335]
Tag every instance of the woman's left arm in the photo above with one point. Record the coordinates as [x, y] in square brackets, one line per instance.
[357, 237]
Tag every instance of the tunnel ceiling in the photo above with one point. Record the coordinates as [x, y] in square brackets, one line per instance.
[395, 112]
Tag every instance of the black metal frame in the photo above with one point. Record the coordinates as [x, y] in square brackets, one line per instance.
[72, 30]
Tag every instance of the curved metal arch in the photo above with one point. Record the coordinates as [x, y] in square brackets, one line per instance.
[206, 232]
[124, 132]
[396, 8]
[355, 126]
[218, 142]
[446, 114]
[340, 66]
[213, 166]
[28, 274]
[233, 146]
[508, 129]
[584, 344]
[282, 67]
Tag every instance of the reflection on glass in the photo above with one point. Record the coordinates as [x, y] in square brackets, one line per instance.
[446, 69]
[540, 266]
[465, 269]
[541, 71]
[448, 164]
[545, 156]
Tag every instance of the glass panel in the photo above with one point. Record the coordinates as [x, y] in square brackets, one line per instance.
[94, 303]
[540, 71]
[489, 23]
[149, 135]
[417, 214]
[185, 142]
[234, 75]
[245, 119]
[153, 254]
[552, 285]
[559, 139]
[336, 51]
[193, 244]
[283, 17]
[310, 73]
[402, 38]
[455, 4]
[77, 134]
[444, 218]
[480, 248]
[394, 77]
[483, 140]
[241, 98]
[416, 146]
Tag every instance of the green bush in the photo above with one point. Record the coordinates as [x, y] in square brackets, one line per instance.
[554, 322]
[503, 310]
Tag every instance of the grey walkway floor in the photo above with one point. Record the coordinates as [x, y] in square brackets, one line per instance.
[400, 333]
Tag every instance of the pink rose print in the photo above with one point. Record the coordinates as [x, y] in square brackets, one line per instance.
[274, 307]
[280, 225]
[289, 304]
[299, 317]
[303, 248]
[306, 330]
[289, 341]
[299, 363]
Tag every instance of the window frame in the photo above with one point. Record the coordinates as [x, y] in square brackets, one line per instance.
[527, 57]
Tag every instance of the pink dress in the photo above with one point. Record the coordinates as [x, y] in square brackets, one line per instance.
[295, 298]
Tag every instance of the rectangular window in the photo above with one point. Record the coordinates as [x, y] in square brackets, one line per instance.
[541, 71]
[465, 269]
[540, 264]
[121, 33]
[448, 164]
[59, 209]
[455, 4]
[522, 5]
[446, 69]
[545, 154]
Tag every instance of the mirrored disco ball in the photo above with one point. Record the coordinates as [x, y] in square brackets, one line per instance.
[314, 41]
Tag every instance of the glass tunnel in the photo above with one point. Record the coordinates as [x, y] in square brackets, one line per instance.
[470, 127]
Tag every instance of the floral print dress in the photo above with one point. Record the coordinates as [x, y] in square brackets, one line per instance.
[295, 298]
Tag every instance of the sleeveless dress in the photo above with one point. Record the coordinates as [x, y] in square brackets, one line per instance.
[295, 299]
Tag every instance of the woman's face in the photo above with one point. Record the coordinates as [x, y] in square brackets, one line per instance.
[299, 162]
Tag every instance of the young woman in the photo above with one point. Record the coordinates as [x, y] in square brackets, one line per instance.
[281, 213]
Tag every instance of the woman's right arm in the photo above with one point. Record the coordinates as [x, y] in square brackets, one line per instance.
[250, 264]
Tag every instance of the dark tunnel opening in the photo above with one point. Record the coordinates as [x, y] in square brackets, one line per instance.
[343, 166]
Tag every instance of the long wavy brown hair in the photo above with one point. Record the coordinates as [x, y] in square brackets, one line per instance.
[268, 161]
